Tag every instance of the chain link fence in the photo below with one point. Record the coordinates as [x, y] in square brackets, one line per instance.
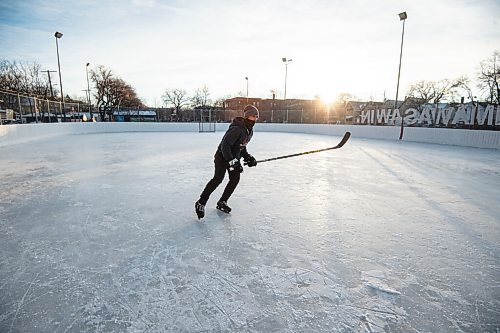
[16, 107]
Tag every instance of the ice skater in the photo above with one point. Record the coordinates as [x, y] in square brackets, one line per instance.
[227, 157]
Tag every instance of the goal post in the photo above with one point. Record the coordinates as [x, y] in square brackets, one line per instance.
[207, 121]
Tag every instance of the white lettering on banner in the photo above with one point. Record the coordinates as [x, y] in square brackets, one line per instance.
[381, 115]
[482, 114]
[396, 115]
[425, 117]
[472, 115]
[364, 117]
[411, 116]
[448, 112]
[390, 119]
[462, 115]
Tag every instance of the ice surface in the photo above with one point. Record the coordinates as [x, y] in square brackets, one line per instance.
[98, 234]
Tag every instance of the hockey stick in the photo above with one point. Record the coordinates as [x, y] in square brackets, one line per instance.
[342, 142]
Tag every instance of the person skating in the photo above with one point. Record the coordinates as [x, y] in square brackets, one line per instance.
[232, 147]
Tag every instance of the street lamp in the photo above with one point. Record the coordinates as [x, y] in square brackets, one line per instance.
[246, 78]
[286, 62]
[402, 17]
[88, 88]
[58, 35]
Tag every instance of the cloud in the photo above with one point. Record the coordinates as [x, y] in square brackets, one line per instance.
[144, 3]
[337, 45]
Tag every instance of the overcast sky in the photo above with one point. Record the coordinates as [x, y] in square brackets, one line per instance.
[335, 45]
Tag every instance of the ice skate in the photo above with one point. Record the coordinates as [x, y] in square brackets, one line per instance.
[223, 207]
[200, 209]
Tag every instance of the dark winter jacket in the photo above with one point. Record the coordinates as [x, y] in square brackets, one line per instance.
[234, 142]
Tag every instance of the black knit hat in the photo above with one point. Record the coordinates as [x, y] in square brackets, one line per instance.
[250, 110]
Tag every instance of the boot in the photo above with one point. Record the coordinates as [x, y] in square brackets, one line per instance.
[223, 207]
[200, 209]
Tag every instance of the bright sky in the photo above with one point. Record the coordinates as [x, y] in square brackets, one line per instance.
[335, 45]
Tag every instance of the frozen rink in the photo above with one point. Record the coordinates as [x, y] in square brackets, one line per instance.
[98, 234]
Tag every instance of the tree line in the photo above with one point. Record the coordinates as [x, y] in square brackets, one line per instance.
[111, 92]
[451, 90]
[180, 100]
[24, 77]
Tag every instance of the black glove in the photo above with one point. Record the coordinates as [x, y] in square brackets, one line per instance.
[235, 165]
[251, 161]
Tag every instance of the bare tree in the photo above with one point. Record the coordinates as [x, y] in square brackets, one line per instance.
[124, 94]
[10, 75]
[101, 77]
[112, 92]
[435, 91]
[465, 88]
[25, 78]
[219, 102]
[445, 90]
[423, 90]
[178, 98]
[343, 99]
[489, 78]
[200, 98]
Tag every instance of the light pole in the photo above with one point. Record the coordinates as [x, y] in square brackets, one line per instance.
[88, 88]
[402, 17]
[246, 78]
[58, 35]
[286, 62]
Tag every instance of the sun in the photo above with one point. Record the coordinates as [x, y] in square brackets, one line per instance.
[325, 88]
[328, 94]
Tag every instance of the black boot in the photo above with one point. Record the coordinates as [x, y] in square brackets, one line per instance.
[200, 209]
[223, 207]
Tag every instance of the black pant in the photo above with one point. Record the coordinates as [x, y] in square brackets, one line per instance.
[220, 171]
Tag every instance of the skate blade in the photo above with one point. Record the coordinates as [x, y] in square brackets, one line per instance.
[223, 210]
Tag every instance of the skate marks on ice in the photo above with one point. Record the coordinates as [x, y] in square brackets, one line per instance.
[187, 296]
[90, 251]
[224, 280]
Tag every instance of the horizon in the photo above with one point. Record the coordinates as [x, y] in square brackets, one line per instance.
[155, 45]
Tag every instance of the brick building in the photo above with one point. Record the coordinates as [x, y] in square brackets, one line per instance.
[278, 110]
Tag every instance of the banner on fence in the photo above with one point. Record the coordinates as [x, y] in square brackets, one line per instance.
[488, 115]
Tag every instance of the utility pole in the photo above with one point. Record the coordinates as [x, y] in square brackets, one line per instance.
[272, 106]
[50, 81]
[51, 90]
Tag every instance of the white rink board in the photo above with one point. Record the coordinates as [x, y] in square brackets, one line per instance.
[14, 134]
